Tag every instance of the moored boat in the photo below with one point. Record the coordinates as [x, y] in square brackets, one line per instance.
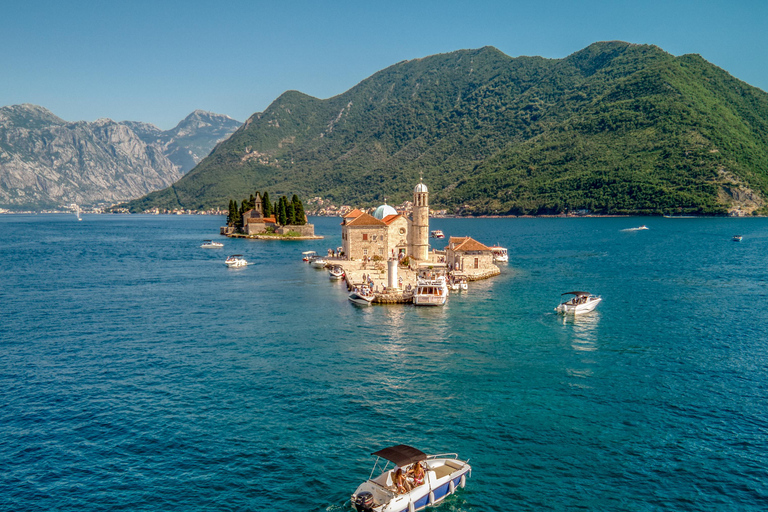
[416, 481]
[430, 292]
[437, 234]
[362, 295]
[308, 256]
[236, 261]
[210, 244]
[582, 302]
[500, 254]
[318, 262]
[336, 272]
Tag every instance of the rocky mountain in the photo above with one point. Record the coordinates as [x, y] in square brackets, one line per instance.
[46, 162]
[191, 140]
[614, 128]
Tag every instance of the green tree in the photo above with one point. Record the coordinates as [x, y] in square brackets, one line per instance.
[290, 213]
[298, 208]
[267, 206]
[282, 211]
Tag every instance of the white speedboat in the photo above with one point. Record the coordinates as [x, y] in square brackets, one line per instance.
[737, 238]
[318, 262]
[336, 272]
[436, 477]
[430, 292]
[236, 261]
[210, 244]
[499, 254]
[437, 234]
[308, 256]
[581, 302]
[362, 295]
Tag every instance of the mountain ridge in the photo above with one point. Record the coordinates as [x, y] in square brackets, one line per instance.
[47, 162]
[615, 128]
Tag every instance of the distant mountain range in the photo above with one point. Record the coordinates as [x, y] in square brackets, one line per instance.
[613, 128]
[46, 162]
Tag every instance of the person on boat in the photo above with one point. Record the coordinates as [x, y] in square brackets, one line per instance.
[417, 473]
[399, 481]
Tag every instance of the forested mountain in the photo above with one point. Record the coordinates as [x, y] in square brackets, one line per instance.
[614, 128]
[46, 162]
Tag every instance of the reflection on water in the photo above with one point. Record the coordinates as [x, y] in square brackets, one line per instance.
[584, 330]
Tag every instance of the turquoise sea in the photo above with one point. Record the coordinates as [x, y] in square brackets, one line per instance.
[139, 373]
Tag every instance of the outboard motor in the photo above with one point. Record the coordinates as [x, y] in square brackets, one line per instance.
[364, 502]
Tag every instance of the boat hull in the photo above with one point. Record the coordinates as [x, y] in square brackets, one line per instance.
[578, 309]
[443, 478]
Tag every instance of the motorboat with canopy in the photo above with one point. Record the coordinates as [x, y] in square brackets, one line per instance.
[210, 244]
[362, 295]
[236, 261]
[428, 479]
[581, 302]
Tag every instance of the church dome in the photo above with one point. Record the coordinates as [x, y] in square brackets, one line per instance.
[384, 210]
[420, 188]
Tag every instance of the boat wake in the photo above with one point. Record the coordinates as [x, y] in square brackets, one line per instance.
[636, 229]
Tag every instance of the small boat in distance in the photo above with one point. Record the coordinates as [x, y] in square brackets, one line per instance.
[437, 234]
[236, 261]
[336, 272]
[636, 229]
[308, 256]
[210, 244]
[362, 295]
[737, 238]
[499, 254]
[582, 302]
[426, 480]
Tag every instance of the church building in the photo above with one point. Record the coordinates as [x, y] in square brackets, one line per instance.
[387, 234]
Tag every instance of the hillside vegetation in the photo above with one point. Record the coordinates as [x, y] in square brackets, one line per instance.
[613, 128]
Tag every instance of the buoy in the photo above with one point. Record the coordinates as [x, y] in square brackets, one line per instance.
[463, 480]
[431, 498]
[411, 507]
[451, 487]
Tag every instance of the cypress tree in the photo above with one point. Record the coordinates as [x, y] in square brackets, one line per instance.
[266, 204]
[232, 213]
[298, 208]
[282, 211]
[290, 213]
[276, 211]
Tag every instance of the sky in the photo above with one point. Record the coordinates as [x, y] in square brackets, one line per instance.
[157, 61]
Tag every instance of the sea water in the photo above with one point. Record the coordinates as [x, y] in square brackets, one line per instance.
[139, 373]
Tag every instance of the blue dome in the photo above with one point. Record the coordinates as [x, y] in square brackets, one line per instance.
[384, 210]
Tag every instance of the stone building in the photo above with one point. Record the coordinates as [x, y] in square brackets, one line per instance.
[388, 234]
[254, 222]
[467, 255]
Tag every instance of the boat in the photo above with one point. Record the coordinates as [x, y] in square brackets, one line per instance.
[336, 272]
[437, 234]
[457, 282]
[77, 212]
[362, 295]
[641, 228]
[499, 254]
[210, 244]
[236, 261]
[308, 256]
[441, 475]
[737, 238]
[430, 292]
[318, 262]
[581, 302]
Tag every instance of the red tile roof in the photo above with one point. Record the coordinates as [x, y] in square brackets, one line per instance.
[365, 219]
[353, 213]
[470, 244]
[389, 219]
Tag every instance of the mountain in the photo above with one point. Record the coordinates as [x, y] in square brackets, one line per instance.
[191, 140]
[613, 128]
[46, 162]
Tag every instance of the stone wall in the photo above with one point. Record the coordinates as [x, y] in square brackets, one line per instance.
[303, 230]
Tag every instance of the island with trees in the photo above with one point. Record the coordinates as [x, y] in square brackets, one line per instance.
[258, 217]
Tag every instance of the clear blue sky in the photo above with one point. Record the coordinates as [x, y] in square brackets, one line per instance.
[157, 61]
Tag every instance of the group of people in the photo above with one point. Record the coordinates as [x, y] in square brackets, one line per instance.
[409, 479]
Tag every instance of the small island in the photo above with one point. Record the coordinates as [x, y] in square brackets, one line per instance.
[258, 218]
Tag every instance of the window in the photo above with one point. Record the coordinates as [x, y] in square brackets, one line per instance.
[365, 252]
[381, 252]
[374, 238]
[402, 231]
[365, 236]
[477, 262]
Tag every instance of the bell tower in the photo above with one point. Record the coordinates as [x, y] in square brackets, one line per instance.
[420, 236]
